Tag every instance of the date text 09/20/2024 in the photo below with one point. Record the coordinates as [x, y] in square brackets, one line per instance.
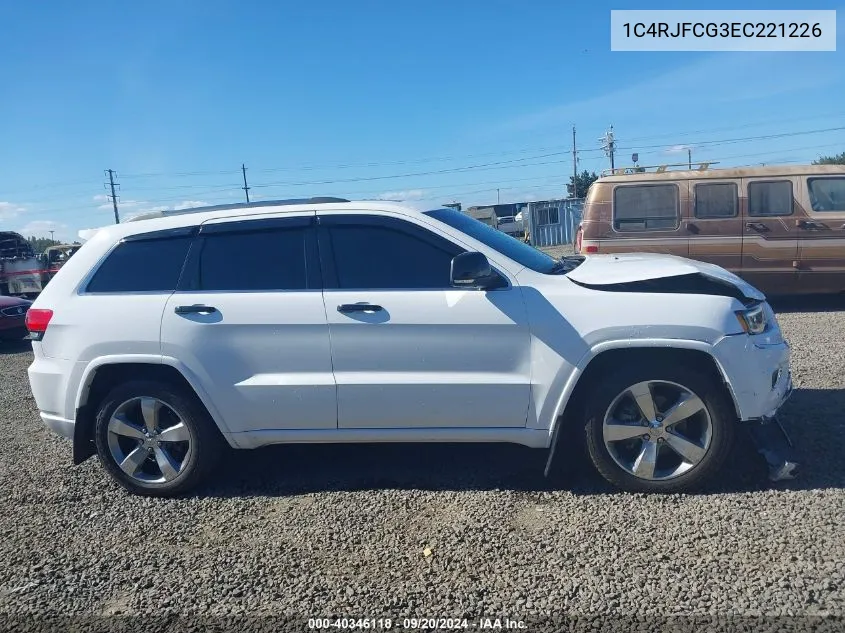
[416, 623]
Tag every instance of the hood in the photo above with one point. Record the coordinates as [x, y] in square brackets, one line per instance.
[642, 272]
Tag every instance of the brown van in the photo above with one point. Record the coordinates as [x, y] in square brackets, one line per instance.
[782, 229]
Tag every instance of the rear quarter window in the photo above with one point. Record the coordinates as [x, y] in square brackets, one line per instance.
[142, 266]
[646, 207]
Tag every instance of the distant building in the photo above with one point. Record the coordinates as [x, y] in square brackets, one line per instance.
[484, 214]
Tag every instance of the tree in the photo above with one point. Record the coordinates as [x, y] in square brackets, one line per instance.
[839, 159]
[577, 187]
[40, 244]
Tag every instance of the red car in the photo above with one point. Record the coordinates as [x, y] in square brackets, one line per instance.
[13, 318]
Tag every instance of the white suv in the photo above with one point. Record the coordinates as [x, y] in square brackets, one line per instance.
[165, 339]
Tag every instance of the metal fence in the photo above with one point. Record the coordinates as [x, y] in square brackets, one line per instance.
[554, 222]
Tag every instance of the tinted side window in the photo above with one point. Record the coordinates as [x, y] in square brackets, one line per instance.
[770, 198]
[266, 260]
[716, 200]
[827, 194]
[370, 256]
[147, 265]
[645, 207]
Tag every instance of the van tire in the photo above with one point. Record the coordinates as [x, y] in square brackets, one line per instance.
[204, 446]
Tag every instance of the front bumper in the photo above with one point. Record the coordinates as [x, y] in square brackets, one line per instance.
[60, 426]
[757, 374]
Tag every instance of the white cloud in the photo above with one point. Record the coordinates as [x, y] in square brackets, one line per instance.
[9, 210]
[408, 194]
[677, 149]
[121, 204]
[190, 204]
[101, 197]
[42, 228]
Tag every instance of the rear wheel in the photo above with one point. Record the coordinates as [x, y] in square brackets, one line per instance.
[659, 428]
[156, 440]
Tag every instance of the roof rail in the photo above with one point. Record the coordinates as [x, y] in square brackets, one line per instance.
[659, 169]
[237, 205]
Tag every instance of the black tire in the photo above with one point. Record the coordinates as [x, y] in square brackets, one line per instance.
[716, 401]
[206, 443]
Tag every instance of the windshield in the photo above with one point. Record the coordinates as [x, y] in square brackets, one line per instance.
[501, 242]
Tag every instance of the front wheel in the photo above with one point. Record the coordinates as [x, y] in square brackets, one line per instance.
[659, 428]
[154, 439]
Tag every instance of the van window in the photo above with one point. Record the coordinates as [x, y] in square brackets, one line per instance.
[152, 265]
[716, 200]
[770, 198]
[645, 207]
[827, 194]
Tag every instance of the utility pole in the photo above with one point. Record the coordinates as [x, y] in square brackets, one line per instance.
[689, 157]
[609, 145]
[113, 195]
[498, 200]
[245, 187]
[574, 167]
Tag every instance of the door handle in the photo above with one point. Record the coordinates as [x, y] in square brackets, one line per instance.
[692, 228]
[195, 309]
[346, 308]
[810, 225]
[757, 226]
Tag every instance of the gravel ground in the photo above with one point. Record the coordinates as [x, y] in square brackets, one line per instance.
[430, 531]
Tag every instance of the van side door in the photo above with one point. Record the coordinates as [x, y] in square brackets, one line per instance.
[821, 234]
[649, 217]
[770, 234]
[715, 225]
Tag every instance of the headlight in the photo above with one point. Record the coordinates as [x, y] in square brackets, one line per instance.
[753, 320]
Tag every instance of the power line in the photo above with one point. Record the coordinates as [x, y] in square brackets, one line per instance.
[310, 167]
[419, 173]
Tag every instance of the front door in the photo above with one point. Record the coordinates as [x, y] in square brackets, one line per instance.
[249, 323]
[715, 225]
[821, 230]
[770, 235]
[409, 350]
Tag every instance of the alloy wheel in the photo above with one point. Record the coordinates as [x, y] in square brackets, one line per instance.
[657, 430]
[149, 440]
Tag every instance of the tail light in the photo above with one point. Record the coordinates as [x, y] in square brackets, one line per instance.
[37, 321]
[591, 249]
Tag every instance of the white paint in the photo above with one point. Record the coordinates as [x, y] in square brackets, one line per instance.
[435, 365]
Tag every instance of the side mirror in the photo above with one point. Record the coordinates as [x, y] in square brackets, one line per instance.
[472, 270]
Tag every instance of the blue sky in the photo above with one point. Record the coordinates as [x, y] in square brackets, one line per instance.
[428, 101]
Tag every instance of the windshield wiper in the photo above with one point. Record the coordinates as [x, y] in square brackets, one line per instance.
[566, 264]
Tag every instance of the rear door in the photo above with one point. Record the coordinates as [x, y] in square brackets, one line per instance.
[649, 217]
[715, 225]
[821, 241]
[408, 350]
[249, 322]
[770, 235]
